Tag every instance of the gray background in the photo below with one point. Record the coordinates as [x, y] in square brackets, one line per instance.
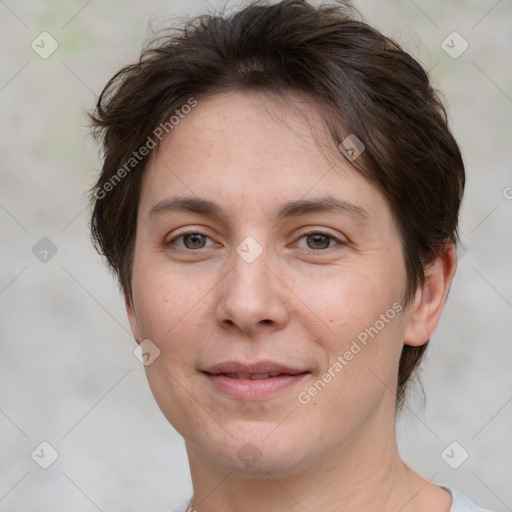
[68, 375]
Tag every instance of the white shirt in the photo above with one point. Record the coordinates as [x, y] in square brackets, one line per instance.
[461, 503]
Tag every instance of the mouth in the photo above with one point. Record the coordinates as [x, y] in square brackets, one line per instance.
[253, 376]
[257, 381]
[257, 368]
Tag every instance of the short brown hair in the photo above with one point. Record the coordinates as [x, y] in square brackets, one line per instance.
[363, 83]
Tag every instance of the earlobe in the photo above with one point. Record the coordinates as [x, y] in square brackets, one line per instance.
[426, 309]
[132, 317]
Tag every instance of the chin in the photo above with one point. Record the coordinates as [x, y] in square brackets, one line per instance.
[258, 463]
[256, 450]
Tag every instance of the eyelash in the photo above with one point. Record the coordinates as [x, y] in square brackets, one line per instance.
[303, 235]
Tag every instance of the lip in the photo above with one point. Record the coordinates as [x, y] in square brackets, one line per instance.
[257, 367]
[258, 389]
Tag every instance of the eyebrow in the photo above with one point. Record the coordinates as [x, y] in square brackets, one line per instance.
[287, 210]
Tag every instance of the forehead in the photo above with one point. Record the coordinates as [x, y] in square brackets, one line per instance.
[254, 150]
[237, 124]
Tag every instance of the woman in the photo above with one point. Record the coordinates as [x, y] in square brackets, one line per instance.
[279, 200]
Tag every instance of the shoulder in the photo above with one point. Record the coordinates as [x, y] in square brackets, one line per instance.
[182, 507]
[461, 503]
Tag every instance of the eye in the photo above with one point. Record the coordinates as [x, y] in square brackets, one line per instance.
[319, 240]
[315, 240]
[191, 240]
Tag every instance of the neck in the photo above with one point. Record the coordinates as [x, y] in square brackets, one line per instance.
[362, 474]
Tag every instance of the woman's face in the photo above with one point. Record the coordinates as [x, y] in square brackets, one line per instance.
[256, 280]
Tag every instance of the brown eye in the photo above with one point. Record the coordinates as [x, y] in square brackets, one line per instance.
[191, 240]
[196, 241]
[318, 241]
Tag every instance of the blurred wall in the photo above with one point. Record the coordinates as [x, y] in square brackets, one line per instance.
[68, 376]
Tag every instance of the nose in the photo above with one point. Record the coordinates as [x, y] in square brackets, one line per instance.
[253, 296]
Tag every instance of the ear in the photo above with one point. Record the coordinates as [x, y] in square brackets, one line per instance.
[132, 317]
[425, 311]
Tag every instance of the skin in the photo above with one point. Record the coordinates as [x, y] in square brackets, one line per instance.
[301, 302]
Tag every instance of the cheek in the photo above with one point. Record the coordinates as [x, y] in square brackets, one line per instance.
[362, 322]
[165, 301]
[166, 306]
[351, 300]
